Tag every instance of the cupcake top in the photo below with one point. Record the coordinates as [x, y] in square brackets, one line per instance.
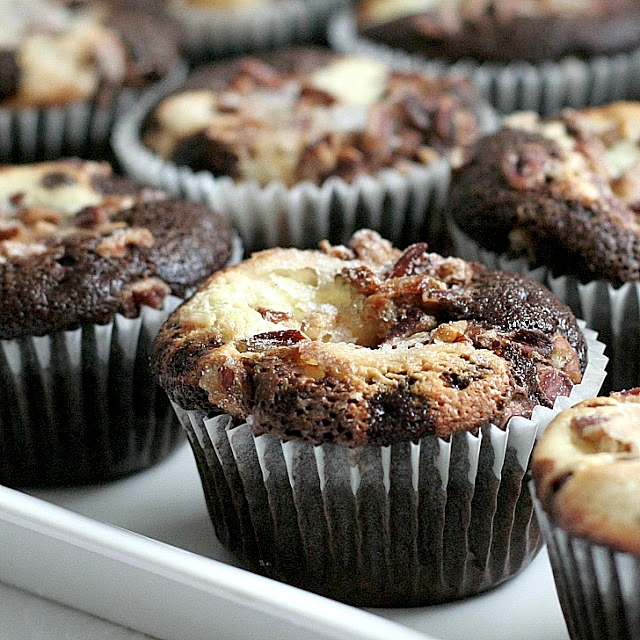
[79, 244]
[310, 115]
[586, 469]
[368, 344]
[59, 51]
[502, 30]
[562, 192]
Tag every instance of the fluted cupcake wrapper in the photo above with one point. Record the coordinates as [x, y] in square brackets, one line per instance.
[84, 405]
[82, 129]
[403, 525]
[614, 312]
[210, 31]
[544, 87]
[598, 586]
[402, 204]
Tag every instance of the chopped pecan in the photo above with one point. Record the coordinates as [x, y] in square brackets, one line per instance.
[314, 95]
[272, 315]
[336, 251]
[150, 292]
[411, 261]
[115, 245]
[274, 339]
[9, 229]
[32, 215]
[451, 332]
[363, 279]
[91, 217]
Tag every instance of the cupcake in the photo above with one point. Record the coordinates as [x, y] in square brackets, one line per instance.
[522, 55]
[211, 28]
[305, 144]
[90, 267]
[69, 68]
[586, 470]
[560, 196]
[362, 417]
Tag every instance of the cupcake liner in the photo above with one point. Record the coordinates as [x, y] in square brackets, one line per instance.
[214, 32]
[80, 129]
[84, 405]
[404, 525]
[598, 587]
[402, 204]
[545, 87]
[614, 312]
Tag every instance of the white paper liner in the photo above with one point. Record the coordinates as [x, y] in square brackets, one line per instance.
[545, 87]
[598, 586]
[208, 32]
[404, 525]
[84, 405]
[80, 129]
[613, 312]
[402, 204]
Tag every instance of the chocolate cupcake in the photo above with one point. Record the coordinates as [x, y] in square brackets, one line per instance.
[305, 144]
[586, 470]
[362, 417]
[90, 266]
[523, 55]
[69, 68]
[561, 195]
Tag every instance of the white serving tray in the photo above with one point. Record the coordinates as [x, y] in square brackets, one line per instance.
[141, 552]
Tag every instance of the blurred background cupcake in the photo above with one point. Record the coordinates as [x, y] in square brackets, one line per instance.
[586, 470]
[68, 69]
[362, 417]
[303, 144]
[529, 54]
[558, 199]
[91, 265]
[212, 28]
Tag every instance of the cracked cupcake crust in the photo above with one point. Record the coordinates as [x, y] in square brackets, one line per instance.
[586, 469]
[309, 114]
[55, 52]
[79, 244]
[502, 30]
[562, 192]
[366, 344]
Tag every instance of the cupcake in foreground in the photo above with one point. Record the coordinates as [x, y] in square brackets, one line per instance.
[586, 470]
[69, 67]
[90, 267]
[563, 194]
[531, 54]
[314, 142]
[362, 417]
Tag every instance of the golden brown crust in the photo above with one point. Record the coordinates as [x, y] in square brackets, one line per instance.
[586, 469]
[367, 344]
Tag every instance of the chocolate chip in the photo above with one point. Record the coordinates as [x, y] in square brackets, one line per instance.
[271, 339]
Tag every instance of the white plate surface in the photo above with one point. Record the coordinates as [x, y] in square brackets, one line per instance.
[175, 581]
